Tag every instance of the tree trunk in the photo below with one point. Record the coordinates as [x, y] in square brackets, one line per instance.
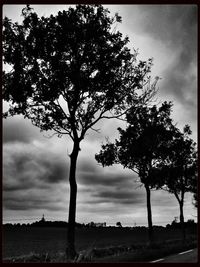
[71, 251]
[182, 219]
[149, 214]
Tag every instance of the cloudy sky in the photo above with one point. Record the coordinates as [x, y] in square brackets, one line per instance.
[35, 167]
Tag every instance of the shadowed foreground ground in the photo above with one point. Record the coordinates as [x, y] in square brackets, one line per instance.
[96, 245]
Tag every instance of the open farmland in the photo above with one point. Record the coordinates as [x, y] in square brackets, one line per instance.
[19, 241]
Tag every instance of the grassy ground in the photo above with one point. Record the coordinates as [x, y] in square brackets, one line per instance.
[48, 244]
[135, 253]
[150, 253]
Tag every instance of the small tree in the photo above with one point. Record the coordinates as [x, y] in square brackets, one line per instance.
[119, 224]
[195, 200]
[141, 146]
[179, 169]
[194, 182]
[69, 71]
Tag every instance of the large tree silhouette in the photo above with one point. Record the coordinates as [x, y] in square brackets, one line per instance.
[141, 147]
[67, 72]
[179, 169]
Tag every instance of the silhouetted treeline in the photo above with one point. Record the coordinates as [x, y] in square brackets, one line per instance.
[41, 223]
[177, 225]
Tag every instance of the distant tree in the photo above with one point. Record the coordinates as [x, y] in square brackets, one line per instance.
[119, 224]
[141, 146]
[195, 200]
[190, 222]
[69, 71]
[194, 183]
[179, 169]
[92, 224]
[175, 224]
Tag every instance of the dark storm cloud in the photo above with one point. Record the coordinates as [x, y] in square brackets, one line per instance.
[110, 186]
[19, 130]
[32, 178]
[176, 27]
[31, 202]
[98, 178]
[56, 169]
[9, 187]
[86, 165]
[122, 196]
[29, 167]
[170, 23]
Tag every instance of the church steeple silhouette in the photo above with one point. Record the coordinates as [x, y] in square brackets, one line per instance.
[43, 219]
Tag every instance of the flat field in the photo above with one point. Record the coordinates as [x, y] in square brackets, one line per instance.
[19, 241]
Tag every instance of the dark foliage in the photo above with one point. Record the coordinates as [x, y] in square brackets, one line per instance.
[142, 146]
[73, 56]
[179, 169]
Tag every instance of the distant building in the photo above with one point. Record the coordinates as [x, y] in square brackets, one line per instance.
[43, 219]
[92, 224]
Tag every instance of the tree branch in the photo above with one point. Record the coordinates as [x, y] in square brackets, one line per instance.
[50, 136]
[96, 130]
[58, 105]
[177, 196]
[135, 171]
